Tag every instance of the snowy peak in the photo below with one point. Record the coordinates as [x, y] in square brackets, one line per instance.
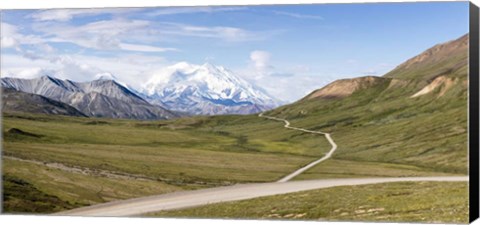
[105, 76]
[198, 89]
[209, 80]
[110, 77]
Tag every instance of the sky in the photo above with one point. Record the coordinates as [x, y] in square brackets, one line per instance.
[288, 50]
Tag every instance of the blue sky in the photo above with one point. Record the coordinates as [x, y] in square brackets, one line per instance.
[288, 50]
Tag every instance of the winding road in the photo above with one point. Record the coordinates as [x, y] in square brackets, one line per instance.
[186, 199]
[310, 165]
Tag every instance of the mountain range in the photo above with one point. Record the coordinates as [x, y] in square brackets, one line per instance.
[188, 89]
[99, 98]
[181, 89]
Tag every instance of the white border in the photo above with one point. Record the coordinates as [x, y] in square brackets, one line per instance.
[47, 4]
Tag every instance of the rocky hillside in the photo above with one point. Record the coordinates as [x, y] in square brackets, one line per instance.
[17, 101]
[98, 98]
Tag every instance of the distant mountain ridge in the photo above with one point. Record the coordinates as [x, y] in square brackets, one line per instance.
[205, 90]
[98, 98]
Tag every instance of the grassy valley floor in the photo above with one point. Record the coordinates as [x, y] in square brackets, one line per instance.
[66, 159]
[50, 154]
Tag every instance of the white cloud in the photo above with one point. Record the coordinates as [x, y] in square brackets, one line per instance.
[101, 35]
[64, 67]
[12, 38]
[115, 34]
[7, 42]
[7, 29]
[298, 16]
[260, 60]
[133, 69]
[25, 73]
[188, 10]
[7, 35]
[63, 15]
[232, 34]
[144, 48]
[286, 82]
[18, 66]
[258, 66]
[59, 14]
[291, 87]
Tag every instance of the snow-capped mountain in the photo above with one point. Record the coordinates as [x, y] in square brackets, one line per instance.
[108, 76]
[205, 90]
[184, 88]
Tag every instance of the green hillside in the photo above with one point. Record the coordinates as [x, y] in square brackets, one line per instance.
[390, 122]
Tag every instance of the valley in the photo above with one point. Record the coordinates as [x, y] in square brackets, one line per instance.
[81, 144]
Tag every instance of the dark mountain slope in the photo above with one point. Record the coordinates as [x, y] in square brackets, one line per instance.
[17, 101]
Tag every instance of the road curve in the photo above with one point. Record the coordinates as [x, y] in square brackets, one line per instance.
[310, 165]
[186, 199]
